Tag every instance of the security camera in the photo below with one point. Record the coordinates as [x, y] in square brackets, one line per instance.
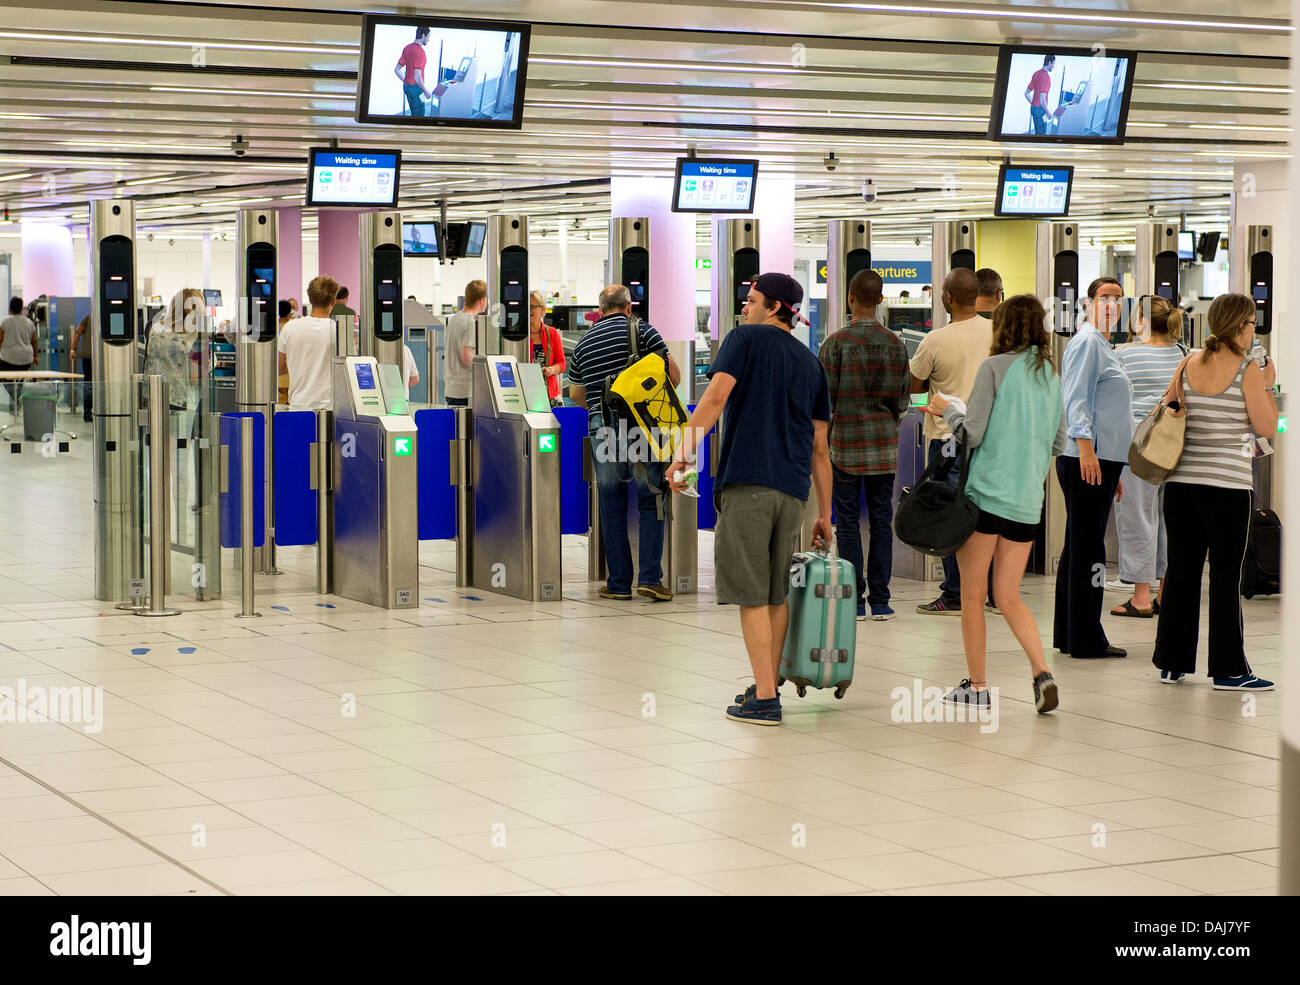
[1151, 210]
[831, 161]
[240, 146]
[149, 237]
[868, 191]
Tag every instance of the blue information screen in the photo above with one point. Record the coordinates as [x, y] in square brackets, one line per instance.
[505, 375]
[714, 186]
[365, 377]
[340, 177]
[1034, 191]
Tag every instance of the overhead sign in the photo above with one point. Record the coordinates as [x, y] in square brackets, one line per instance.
[703, 264]
[891, 271]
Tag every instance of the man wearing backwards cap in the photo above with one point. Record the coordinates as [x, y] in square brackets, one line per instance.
[775, 436]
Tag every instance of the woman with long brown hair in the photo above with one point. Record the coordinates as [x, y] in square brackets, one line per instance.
[1229, 400]
[1015, 424]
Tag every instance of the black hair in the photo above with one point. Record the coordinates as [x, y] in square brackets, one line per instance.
[342, 295]
[423, 31]
[867, 287]
[285, 308]
[15, 306]
[1096, 285]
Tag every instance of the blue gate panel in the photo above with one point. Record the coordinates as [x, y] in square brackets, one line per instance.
[436, 428]
[575, 502]
[230, 499]
[706, 515]
[295, 500]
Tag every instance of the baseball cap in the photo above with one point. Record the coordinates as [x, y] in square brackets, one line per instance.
[783, 289]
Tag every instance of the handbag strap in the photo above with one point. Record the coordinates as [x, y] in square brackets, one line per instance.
[1176, 384]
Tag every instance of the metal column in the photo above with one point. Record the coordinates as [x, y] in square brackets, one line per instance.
[736, 270]
[1250, 272]
[1155, 260]
[952, 245]
[848, 251]
[503, 328]
[629, 260]
[381, 287]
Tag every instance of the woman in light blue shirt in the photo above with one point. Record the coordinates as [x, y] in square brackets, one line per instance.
[1015, 423]
[1098, 401]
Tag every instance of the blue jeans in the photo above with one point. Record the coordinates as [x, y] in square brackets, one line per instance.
[414, 99]
[950, 590]
[612, 478]
[1039, 116]
[878, 492]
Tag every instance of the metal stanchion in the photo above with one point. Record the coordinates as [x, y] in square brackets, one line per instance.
[321, 480]
[462, 476]
[597, 570]
[246, 550]
[160, 537]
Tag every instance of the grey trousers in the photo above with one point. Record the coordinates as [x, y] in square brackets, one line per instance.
[1140, 523]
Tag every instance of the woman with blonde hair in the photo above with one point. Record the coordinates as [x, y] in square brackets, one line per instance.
[545, 345]
[171, 349]
[1015, 424]
[1229, 400]
[1149, 364]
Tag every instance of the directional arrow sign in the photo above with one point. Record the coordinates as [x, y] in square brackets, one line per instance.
[546, 442]
[401, 446]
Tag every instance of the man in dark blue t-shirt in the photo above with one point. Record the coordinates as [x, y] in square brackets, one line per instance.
[778, 411]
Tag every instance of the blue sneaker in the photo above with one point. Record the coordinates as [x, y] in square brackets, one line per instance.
[748, 695]
[862, 611]
[881, 612]
[1246, 682]
[1171, 676]
[757, 711]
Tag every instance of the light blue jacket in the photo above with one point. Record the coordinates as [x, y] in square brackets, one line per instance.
[1098, 396]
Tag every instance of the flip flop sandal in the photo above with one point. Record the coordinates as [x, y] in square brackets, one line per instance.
[1129, 609]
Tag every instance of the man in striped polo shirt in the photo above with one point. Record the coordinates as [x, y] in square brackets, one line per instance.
[867, 373]
[600, 354]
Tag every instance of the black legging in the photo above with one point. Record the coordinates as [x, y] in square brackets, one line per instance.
[14, 389]
[1081, 576]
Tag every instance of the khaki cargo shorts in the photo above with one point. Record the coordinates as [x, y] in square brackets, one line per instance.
[758, 531]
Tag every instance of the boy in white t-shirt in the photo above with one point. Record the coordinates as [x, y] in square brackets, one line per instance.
[307, 347]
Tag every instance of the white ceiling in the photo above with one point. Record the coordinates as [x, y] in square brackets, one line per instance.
[144, 99]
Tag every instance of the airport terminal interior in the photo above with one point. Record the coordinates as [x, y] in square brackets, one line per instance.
[252, 646]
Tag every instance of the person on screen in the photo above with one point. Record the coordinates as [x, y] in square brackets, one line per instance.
[410, 69]
[1040, 84]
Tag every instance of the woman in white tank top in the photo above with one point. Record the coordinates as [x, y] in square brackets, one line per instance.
[1229, 400]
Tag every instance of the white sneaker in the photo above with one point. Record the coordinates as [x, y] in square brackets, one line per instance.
[1119, 585]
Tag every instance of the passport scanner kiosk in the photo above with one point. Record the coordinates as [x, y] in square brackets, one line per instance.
[1250, 272]
[381, 287]
[503, 328]
[952, 245]
[373, 519]
[507, 470]
[848, 253]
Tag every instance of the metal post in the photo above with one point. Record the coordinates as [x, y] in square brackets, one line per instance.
[324, 423]
[160, 538]
[597, 569]
[462, 477]
[246, 549]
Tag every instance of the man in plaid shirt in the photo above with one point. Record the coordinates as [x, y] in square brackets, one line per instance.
[867, 373]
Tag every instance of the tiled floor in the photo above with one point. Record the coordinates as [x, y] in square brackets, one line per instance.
[503, 747]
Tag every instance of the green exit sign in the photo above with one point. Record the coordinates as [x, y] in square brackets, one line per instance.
[546, 442]
[703, 264]
[401, 446]
[1281, 425]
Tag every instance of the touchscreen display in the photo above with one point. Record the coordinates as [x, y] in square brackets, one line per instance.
[117, 290]
[505, 375]
[365, 377]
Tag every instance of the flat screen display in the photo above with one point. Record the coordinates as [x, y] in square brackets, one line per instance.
[212, 298]
[365, 377]
[1061, 95]
[420, 239]
[505, 375]
[474, 239]
[435, 71]
[116, 325]
[117, 290]
[714, 186]
[352, 178]
[1186, 246]
[1033, 192]
[388, 291]
[1208, 246]
[263, 281]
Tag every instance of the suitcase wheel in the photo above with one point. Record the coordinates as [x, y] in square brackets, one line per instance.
[779, 680]
[839, 692]
[800, 690]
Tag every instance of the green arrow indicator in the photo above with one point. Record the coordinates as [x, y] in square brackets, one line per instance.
[546, 442]
[401, 446]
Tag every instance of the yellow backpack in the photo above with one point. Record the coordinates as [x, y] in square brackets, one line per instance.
[643, 395]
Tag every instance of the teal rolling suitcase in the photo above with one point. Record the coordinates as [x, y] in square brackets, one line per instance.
[822, 634]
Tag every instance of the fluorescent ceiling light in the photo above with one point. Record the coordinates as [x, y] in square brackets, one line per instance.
[231, 201]
[134, 39]
[348, 97]
[153, 145]
[1236, 126]
[1214, 87]
[1038, 13]
[16, 177]
[723, 111]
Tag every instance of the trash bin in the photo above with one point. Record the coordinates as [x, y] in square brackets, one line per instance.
[38, 401]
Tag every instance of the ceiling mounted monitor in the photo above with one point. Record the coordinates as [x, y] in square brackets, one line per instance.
[357, 179]
[1186, 245]
[706, 185]
[463, 239]
[1208, 247]
[436, 71]
[1061, 95]
[420, 239]
[1034, 193]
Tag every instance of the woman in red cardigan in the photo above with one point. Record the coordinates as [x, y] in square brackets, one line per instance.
[546, 346]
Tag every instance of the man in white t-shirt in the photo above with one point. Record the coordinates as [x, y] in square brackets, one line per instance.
[458, 345]
[307, 347]
[410, 371]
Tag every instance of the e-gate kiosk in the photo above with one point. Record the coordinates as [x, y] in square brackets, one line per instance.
[1056, 272]
[629, 261]
[381, 287]
[119, 533]
[373, 521]
[257, 371]
[848, 252]
[1250, 272]
[503, 328]
[1155, 260]
[952, 245]
[735, 268]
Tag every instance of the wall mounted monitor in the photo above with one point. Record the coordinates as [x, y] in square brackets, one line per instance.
[1186, 245]
[1061, 95]
[464, 239]
[1208, 247]
[211, 297]
[704, 185]
[420, 239]
[1034, 193]
[355, 179]
[435, 71]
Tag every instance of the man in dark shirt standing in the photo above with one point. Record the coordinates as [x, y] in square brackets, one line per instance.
[773, 439]
[869, 382]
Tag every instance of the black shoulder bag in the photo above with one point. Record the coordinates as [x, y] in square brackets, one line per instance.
[934, 516]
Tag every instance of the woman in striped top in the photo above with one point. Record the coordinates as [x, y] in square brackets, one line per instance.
[1229, 400]
[1149, 366]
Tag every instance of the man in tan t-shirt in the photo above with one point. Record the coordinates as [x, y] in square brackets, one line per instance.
[946, 362]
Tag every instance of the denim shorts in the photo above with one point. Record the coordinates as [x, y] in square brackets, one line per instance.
[758, 532]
